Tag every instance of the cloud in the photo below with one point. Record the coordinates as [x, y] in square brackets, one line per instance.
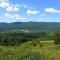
[52, 10]
[4, 3]
[12, 8]
[9, 7]
[32, 12]
[14, 16]
[27, 7]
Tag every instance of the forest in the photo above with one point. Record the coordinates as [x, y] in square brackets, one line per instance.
[16, 38]
[29, 43]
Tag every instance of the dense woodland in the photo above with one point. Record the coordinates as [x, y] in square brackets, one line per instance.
[16, 38]
[19, 32]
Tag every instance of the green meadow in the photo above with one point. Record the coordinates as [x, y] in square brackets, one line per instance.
[45, 50]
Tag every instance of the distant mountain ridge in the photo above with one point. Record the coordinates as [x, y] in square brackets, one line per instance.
[30, 25]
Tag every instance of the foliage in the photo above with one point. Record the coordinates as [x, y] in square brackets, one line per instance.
[57, 37]
[16, 38]
[26, 51]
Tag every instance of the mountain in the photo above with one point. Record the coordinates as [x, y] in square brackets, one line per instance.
[30, 25]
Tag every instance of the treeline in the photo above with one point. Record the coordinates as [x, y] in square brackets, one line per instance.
[17, 38]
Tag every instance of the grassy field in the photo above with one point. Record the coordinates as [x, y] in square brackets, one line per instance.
[27, 51]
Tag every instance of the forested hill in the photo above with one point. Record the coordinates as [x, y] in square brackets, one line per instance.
[30, 25]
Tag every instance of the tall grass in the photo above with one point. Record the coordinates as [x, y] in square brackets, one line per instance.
[27, 51]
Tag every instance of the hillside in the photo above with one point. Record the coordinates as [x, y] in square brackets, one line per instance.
[30, 25]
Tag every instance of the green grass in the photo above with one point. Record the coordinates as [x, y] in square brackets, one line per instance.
[27, 51]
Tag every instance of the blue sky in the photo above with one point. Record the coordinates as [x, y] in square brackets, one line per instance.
[30, 10]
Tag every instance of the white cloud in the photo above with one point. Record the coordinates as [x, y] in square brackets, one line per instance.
[32, 12]
[52, 10]
[4, 3]
[12, 8]
[9, 7]
[14, 16]
[27, 7]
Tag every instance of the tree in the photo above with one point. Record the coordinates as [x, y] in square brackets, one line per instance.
[57, 37]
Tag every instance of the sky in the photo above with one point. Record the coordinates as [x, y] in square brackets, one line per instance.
[29, 10]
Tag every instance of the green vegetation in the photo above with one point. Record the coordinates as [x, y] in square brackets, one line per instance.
[27, 51]
[29, 45]
[17, 37]
[57, 37]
